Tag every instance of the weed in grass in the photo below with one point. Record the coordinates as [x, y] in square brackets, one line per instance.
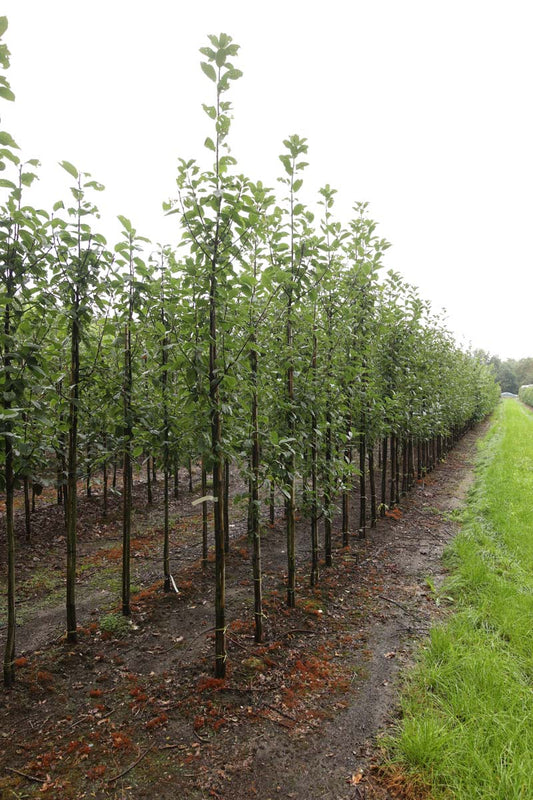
[115, 624]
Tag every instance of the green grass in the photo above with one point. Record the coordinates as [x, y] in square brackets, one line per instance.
[467, 726]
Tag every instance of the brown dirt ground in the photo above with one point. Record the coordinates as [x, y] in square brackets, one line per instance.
[137, 715]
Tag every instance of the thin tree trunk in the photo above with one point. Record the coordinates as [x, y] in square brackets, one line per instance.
[383, 506]
[127, 477]
[149, 497]
[9, 653]
[393, 474]
[189, 468]
[254, 508]
[314, 470]
[166, 528]
[397, 472]
[72, 470]
[226, 504]
[373, 497]
[88, 475]
[327, 494]
[291, 469]
[346, 491]
[166, 444]
[27, 508]
[362, 477]
[105, 479]
[204, 516]
[176, 480]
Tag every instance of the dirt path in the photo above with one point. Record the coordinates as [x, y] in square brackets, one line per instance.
[404, 553]
[296, 717]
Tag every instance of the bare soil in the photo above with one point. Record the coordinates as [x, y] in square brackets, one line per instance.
[135, 713]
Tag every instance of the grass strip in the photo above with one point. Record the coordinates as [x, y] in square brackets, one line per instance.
[467, 722]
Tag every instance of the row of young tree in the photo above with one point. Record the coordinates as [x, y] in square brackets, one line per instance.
[265, 339]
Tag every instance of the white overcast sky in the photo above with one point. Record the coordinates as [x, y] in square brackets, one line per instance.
[421, 107]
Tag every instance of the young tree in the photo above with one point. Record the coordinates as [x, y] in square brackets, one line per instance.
[211, 207]
[80, 255]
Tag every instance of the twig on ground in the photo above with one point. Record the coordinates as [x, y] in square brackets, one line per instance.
[202, 633]
[132, 766]
[395, 603]
[298, 630]
[282, 713]
[25, 775]
[235, 641]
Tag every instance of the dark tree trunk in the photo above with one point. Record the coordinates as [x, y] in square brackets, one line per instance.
[72, 471]
[254, 506]
[291, 470]
[397, 451]
[127, 478]
[314, 470]
[176, 480]
[362, 477]
[373, 497]
[393, 473]
[346, 491]
[149, 497]
[88, 474]
[9, 653]
[105, 480]
[226, 504]
[204, 516]
[383, 505]
[327, 493]
[27, 508]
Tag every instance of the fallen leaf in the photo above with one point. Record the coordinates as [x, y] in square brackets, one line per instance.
[355, 778]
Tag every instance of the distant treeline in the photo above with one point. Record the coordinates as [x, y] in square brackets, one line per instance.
[511, 374]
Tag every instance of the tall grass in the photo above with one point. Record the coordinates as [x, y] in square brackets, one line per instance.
[467, 727]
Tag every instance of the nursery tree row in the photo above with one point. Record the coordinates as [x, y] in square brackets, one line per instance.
[525, 394]
[265, 338]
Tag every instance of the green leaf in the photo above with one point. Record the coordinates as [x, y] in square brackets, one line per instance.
[11, 156]
[208, 70]
[209, 143]
[6, 93]
[70, 168]
[286, 161]
[5, 184]
[124, 221]
[3, 25]
[7, 140]
[27, 178]
[98, 187]
[234, 74]
[210, 111]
